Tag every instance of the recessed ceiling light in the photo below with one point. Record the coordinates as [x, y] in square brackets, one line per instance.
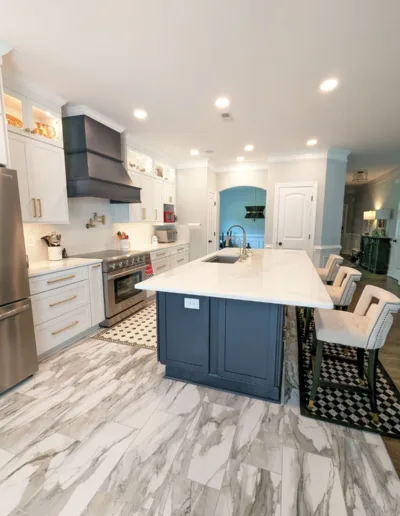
[222, 102]
[140, 114]
[312, 142]
[240, 158]
[194, 152]
[329, 84]
[249, 148]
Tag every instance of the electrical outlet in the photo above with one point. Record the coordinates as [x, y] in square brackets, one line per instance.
[193, 304]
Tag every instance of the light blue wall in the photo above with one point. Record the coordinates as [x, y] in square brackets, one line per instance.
[232, 211]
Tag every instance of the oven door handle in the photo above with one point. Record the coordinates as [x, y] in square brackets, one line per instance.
[115, 275]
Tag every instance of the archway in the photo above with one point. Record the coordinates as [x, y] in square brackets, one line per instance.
[233, 203]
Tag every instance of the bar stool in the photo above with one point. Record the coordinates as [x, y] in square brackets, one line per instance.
[341, 292]
[366, 329]
[328, 273]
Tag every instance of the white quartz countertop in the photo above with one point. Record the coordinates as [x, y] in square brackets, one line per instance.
[46, 267]
[279, 276]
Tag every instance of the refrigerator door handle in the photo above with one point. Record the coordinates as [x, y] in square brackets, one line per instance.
[13, 312]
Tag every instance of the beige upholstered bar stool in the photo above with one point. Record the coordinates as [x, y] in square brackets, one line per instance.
[366, 329]
[329, 272]
[341, 292]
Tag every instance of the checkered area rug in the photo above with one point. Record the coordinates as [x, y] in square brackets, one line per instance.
[139, 330]
[344, 407]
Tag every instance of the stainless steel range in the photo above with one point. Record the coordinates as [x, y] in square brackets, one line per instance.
[122, 270]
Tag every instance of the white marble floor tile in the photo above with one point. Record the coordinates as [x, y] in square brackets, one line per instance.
[307, 434]
[5, 457]
[310, 485]
[226, 399]
[370, 483]
[208, 444]
[247, 490]
[104, 504]
[181, 399]
[248, 427]
[145, 466]
[265, 452]
[25, 473]
[71, 486]
[181, 496]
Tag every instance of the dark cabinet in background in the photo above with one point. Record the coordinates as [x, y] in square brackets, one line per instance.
[375, 253]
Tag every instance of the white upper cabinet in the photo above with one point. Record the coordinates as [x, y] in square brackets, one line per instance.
[28, 117]
[164, 172]
[169, 194]
[41, 180]
[136, 161]
[158, 191]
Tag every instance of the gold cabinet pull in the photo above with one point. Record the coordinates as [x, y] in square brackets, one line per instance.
[40, 208]
[64, 278]
[34, 208]
[63, 301]
[155, 214]
[96, 266]
[143, 213]
[65, 328]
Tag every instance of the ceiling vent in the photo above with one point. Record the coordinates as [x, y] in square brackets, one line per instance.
[209, 151]
[226, 117]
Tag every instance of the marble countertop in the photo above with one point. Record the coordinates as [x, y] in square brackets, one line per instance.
[279, 276]
[46, 267]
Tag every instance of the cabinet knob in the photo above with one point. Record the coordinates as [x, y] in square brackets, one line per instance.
[279, 243]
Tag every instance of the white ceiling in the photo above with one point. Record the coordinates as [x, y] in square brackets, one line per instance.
[174, 57]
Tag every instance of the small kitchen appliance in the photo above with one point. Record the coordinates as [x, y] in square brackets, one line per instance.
[169, 217]
[166, 236]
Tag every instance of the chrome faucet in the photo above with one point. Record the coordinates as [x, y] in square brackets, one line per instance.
[243, 251]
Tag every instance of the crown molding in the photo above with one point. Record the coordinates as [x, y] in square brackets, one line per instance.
[74, 110]
[334, 154]
[192, 164]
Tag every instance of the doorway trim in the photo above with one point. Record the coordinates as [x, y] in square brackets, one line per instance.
[314, 185]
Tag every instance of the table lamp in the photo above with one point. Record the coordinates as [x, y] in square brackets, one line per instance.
[369, 216]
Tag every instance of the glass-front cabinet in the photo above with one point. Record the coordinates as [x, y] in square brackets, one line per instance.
[28, 117]
[138, 161]
[164, 172]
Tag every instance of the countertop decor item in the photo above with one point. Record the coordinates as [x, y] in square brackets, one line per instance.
[54, 249]
[370, 217]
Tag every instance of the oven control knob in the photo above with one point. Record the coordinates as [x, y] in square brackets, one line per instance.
[111, 266]
[120, 264]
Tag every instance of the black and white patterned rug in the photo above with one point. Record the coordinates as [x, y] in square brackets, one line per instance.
[344, 407]
[139, 329]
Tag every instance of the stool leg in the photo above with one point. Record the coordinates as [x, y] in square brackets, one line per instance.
[308, 322]
[360, 365]
[317, 373]
[372, 364]
[313, 351]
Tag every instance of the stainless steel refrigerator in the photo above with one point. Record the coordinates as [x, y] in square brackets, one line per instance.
[18, 357]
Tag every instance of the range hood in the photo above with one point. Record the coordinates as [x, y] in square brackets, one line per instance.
[93, 161]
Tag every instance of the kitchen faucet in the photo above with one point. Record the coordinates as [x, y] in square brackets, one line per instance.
[243, 251]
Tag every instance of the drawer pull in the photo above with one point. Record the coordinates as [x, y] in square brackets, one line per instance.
[64, 278]
[181, 248]
[65, 328]
[161, 267]
[161, 254]
[96, 266]
[181, 260]
[63, 301]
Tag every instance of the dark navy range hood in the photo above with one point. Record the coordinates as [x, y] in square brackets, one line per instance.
[93, 161]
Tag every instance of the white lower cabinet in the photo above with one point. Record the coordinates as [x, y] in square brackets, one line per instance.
[65, 304]
[177, 260]
[96, 293]
[53, 333]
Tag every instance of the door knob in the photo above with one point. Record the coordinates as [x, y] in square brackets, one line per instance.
[210, 241]
[279, 243]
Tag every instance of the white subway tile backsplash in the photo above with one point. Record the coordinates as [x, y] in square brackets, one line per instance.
[76, 238]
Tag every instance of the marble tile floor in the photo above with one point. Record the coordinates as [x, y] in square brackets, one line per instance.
[99, 431]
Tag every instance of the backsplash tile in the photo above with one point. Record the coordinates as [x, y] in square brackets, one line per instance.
[76, 238]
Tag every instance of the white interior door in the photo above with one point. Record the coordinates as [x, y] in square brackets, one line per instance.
[394, 264]
[294, 215]
[211, 223]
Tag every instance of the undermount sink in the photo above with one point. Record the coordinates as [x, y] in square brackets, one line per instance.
[222, 259]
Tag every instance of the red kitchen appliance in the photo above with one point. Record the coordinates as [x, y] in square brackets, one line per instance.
[169, 216]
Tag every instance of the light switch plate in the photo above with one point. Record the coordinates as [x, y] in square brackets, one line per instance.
[193, 304]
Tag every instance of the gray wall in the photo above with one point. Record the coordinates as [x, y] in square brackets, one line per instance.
[333, 202]
[383, 193]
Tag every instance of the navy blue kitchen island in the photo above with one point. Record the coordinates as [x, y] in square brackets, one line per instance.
[221, 324]
[223, 343]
